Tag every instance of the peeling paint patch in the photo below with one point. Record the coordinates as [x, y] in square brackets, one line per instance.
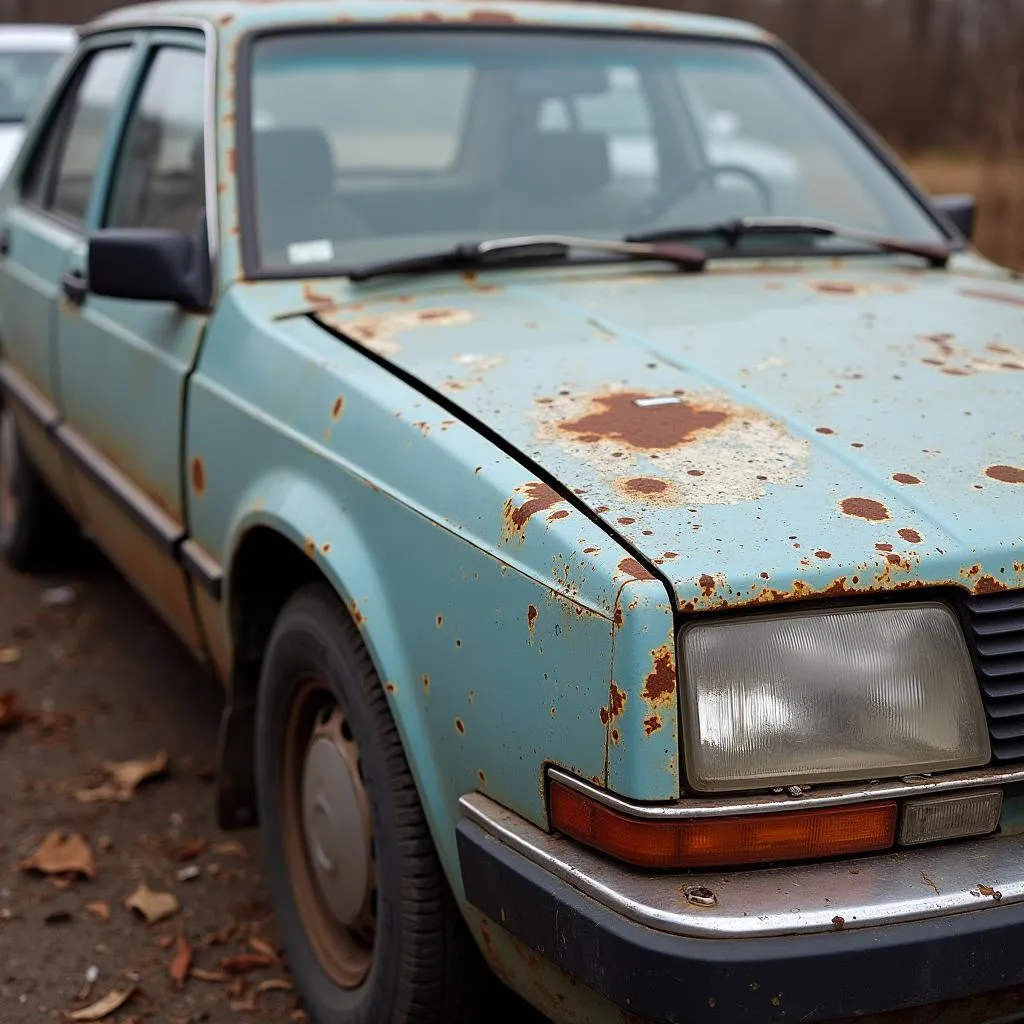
[660, 685]
[478, 367]
[531, 619]
[864, 508]
[958, 362]
[631, 567]
[616, 702]
[906, 478]
[910, 536]
[652, 724]
[702, 449]
[539, 498]
[1006, 474]
[378, 332]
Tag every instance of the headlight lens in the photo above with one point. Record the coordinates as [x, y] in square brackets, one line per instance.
[830, 696]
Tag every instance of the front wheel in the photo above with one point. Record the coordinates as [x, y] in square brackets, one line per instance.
[372, 931]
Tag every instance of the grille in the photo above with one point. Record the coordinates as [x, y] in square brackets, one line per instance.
[995, 634]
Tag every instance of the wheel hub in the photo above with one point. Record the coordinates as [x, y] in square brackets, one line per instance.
[335, 825]
[8, 462]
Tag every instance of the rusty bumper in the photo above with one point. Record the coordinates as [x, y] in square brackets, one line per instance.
[902, 931]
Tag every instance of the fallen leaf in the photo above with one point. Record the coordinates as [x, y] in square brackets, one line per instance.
[165, 942]
[221, 937]
[104, 1007]
[105, 843]
[125, 777]
[97, 794]
[241, 963]
[99, 909]
[180, 962]
[236, 987]
[273, 985]
[189, 851]
[231, 848]
[59, 854]
[153, 906]
[264, 949]
[9, 655]
[246, 1003]
[204, 975]
[12, 714]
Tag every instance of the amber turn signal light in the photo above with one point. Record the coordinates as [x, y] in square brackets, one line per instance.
[723, 842]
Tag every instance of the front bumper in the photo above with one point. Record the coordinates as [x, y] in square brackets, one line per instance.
[817, 942]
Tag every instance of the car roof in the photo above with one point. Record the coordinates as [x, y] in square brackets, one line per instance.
[243, 15]
[37, 37]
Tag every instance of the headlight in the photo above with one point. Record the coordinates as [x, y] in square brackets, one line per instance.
[830, 696]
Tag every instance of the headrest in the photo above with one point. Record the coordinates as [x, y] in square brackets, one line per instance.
[293, 163]
[562, 164]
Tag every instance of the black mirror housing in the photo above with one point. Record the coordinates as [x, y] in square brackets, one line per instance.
[151, 265]
[960, 209]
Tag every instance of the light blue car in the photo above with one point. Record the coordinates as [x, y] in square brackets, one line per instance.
[615, 578]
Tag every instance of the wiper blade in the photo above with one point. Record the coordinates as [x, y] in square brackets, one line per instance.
[936, 253]
[505, 251]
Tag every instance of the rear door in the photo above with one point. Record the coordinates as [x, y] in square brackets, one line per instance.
[41, 224]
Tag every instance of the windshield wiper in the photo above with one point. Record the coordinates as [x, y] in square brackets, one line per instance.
[505, 251]
[936, 253]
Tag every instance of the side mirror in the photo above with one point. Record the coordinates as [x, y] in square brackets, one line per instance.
[960, 210]
[151, 265]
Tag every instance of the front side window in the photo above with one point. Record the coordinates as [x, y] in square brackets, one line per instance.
[159, 180]
[86, 118]
[375, 145]
[23, 75]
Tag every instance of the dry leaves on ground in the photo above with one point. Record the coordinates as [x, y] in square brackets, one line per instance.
[180, 963]
[104, 1007]
[98, 909]
[153, 906]
[124, 778]
[9, 655]
[60, 854]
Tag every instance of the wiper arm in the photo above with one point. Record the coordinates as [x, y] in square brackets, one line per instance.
[936, 253]
[497, 251]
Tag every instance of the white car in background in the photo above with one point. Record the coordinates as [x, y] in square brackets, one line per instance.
[28, 56]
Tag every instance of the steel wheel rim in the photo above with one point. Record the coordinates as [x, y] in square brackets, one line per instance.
[327, 833]
[8, 463]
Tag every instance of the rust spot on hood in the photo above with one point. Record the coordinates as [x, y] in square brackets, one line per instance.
[631, 567]
[531, 618]
[864, 508]
[910, 536]
[539, 498]
[707, 585]
[660, 686]
[484, 16]
[977, 293]
[656, 426]
[378, 332]
[906, 478]
[1006, 474]
[316, 299]
[646, 485]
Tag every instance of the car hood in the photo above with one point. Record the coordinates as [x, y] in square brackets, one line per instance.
[754, 433]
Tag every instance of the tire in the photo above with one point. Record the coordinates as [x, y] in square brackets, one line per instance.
[35, 530]
[318, 686]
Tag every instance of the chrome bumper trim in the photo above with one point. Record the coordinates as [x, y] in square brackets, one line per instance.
[910, 885]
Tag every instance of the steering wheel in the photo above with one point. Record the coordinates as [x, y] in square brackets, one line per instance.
[709, 173]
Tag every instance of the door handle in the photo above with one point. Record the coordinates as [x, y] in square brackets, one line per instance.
[75, 286]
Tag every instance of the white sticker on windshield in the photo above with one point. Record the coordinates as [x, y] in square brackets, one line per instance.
[320, 251]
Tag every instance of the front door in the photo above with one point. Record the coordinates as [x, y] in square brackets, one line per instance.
[43, 224]
[123, 365]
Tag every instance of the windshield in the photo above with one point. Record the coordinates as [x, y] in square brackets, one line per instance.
[23, 74]
[381, 144]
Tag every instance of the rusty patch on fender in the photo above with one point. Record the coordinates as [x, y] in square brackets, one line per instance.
[631, 567]
[198, 476]
[906, 478]
[910, 536]
[1006, 474]
[317, 300]
[673, 449]
[989, 585]
[605, 716]
[864, 508]
[652, 724]
[616, 701]
[357, 616]
[560, 514]
[531, 618]
[707, 585]
[460, 725]
[660, 686]
[539, 498]
[486, 17]
[852, 288]
[338, 407]
[378, 332]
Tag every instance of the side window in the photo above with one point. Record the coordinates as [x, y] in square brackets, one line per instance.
[88, 119]
[160, 181]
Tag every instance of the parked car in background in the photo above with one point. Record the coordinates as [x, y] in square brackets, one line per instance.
[28, 54]
[616, 575]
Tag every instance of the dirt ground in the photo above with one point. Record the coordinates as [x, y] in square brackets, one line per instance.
[87, 686]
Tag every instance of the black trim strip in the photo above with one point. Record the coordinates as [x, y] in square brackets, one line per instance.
[28, 397]
[147, 515]
[673, 978]
[203, 568]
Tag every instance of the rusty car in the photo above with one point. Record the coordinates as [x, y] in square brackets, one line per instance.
[614, 565]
